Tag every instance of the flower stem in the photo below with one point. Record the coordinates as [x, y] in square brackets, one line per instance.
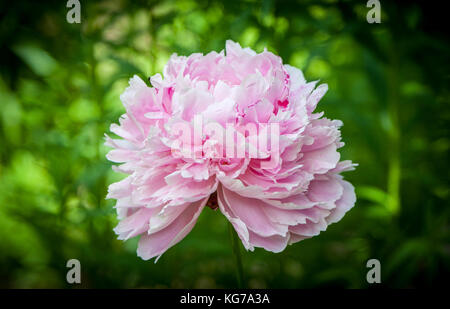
[237, 254]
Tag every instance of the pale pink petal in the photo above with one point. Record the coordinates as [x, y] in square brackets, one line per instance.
[135, 224]
[248, 210]
[344, 204]
[155, 244]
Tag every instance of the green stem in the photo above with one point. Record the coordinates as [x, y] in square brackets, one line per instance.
[394, 171]
[235, 242]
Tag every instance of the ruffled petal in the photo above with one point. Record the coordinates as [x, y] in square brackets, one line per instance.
[156, 243]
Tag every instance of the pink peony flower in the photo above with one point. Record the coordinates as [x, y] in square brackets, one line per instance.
[275, 188]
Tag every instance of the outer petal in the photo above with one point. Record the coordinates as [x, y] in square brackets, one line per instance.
[155, 244]
[249, 211]
[275, 243]
[135, 224]
[321, 160]
[344, 204]
[310, 228]
[237, 223]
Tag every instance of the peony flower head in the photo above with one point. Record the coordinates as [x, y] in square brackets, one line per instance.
[235, 131]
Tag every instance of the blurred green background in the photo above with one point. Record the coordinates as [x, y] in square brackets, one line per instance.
[59, 92]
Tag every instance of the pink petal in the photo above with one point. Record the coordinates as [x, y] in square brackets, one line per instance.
[155, 244]
[248, 210]
[344, 204]
[135, 224]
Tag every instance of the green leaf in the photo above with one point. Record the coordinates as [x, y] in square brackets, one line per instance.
[39, 61]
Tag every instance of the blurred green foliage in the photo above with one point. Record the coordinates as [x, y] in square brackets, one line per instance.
[59, 92]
